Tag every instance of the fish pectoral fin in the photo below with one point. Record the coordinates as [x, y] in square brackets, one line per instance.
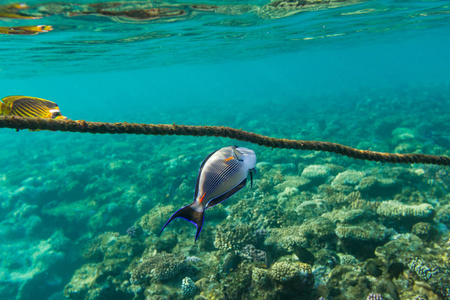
[226, 195]
[251, 176]
[236, 153]
[189, 214]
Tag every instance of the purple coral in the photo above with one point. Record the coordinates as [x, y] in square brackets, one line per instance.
[132, 232]
[373, 296]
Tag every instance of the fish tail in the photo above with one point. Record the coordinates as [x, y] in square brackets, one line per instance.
[189, 214]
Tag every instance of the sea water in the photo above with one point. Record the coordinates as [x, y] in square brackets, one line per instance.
[373, 75]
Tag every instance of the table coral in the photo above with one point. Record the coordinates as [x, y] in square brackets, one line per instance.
[316, 173]
[347, 215]
[397, 210]
[365, 232]
[347, 180]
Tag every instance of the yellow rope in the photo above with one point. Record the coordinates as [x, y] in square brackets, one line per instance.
[218, 131]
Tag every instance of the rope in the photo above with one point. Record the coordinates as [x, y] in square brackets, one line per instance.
[217, 131]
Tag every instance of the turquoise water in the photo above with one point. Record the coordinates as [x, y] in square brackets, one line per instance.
[373, 75]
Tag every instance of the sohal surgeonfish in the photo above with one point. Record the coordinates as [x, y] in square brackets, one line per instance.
[30, 107]
[223, 173]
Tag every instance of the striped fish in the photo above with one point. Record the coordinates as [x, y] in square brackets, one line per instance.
[30, 107]
[223, 173]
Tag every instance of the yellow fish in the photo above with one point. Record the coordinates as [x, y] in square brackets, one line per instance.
[26, 30]
[30, 107]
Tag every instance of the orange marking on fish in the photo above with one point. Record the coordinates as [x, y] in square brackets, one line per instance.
[201, 199]
[229, 158]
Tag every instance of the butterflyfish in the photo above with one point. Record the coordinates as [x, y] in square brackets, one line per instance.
[222, 174]
[30, 107]
[26, 30]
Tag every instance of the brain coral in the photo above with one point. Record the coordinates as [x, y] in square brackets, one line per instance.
[397, 210]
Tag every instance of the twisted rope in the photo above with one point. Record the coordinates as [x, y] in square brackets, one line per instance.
[218, 131]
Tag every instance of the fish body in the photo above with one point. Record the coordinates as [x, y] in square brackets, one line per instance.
[223, 173]
[26, 30]
[30, 107]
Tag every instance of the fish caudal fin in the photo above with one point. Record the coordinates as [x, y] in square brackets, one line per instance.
[191, 215]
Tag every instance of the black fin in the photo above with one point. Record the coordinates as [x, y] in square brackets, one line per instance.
[189, 214]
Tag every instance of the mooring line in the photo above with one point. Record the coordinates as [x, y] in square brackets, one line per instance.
[217, 131]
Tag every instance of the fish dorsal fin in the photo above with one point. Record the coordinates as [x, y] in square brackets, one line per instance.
[10, 99]
[200, 172]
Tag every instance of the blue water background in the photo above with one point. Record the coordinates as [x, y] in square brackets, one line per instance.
[149, 95]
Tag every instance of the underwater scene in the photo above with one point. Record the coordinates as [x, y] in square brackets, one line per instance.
[241, 206]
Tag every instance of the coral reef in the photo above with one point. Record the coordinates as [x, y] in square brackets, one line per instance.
[294, 272]
[316, 173]
[250, 253]
[347, 180]
[235, 237]
[366, 232]
[313, 226]
[188, 288]
[157, 267]
[408, 214]
[347, 215]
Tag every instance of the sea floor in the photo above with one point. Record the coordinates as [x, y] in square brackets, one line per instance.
[81, 214]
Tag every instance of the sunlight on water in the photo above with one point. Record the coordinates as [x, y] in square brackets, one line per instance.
[51, 37]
